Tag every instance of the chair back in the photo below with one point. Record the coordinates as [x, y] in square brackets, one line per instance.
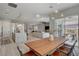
[71, 49]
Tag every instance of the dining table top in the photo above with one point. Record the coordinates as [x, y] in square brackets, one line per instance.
[44, 46]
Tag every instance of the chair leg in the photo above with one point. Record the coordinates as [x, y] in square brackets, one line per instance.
[75, 52]
[71, 54]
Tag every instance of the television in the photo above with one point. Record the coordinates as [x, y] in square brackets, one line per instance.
[46, 27]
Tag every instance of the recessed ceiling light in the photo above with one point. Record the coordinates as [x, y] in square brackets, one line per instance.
[38, 16]
[56, 11]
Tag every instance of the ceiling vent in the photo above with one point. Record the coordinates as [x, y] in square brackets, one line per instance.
[12, 5]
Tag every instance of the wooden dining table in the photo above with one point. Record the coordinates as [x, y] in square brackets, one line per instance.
[44, 47]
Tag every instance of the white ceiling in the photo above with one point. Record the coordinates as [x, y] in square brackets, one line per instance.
[27, 11]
